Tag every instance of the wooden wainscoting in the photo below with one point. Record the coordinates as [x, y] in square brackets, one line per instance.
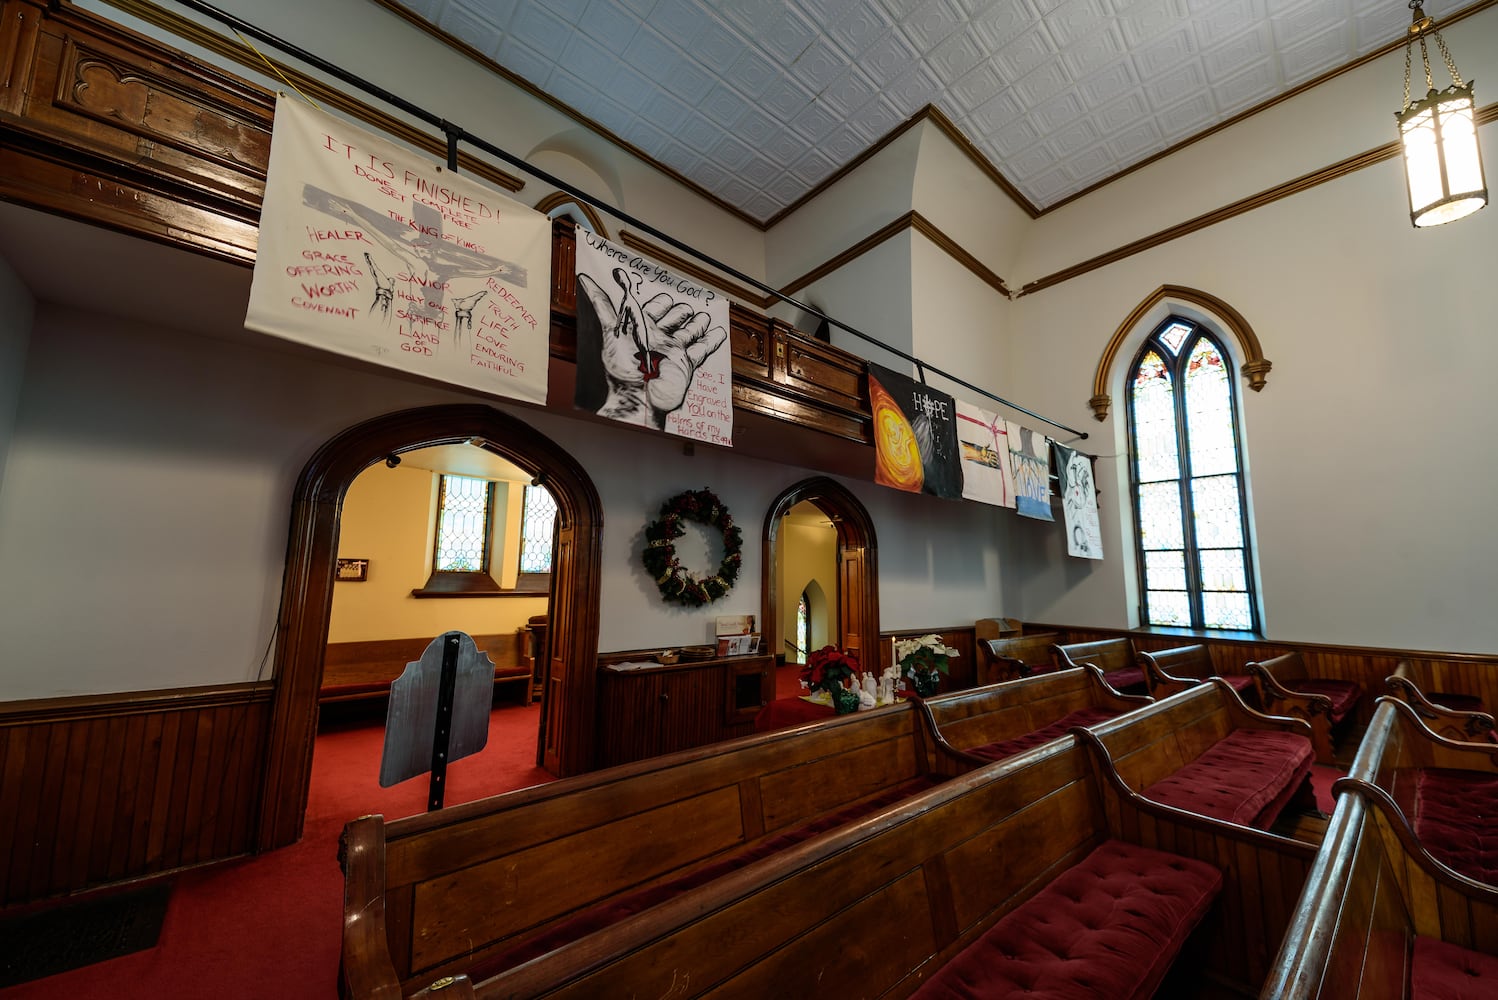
[102, 788]
[962, 670]
[1452, 673]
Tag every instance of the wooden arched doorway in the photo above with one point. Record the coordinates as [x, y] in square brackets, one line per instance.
[307, 592]
[857, 564]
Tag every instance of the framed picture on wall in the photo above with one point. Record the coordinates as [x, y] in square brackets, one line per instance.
[352, 570]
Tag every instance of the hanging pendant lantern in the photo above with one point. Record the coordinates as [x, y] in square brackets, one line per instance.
[1442, 161]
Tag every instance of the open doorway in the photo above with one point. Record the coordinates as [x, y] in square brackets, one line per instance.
[819, 545]
[571, 650]
[806, 563]
[451, 537]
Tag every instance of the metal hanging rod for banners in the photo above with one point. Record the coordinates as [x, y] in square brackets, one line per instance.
[456, 133]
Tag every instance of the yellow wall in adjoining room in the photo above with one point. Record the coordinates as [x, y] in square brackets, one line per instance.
[388, 519]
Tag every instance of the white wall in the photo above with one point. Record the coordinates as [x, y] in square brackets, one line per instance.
[16, 309]
[143, 526]
[1371, 497]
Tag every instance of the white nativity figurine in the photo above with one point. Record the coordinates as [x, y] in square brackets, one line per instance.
[866, 700]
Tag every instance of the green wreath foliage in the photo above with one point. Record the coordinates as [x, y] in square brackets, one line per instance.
[675, 583]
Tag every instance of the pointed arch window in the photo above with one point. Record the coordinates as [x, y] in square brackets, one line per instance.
[1190, 502]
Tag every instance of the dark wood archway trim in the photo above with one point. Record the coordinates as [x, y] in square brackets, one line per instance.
[857, 548]
[307, 590]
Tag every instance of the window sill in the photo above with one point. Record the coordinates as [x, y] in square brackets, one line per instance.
[421, 593]
[481, 585]
[1199, 633]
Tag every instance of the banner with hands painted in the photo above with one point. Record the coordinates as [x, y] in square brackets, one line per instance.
[651, 345]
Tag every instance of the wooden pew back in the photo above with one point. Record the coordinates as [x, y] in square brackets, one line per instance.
[1016, 657]
[1107, 655]
[1161, 740]
[1351, 932]
[870, 910]
[1371, 892]
[999, 712]
[1265, 872]
[1452, 723]
[471, 881]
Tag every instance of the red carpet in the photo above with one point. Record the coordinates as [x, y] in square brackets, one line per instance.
[270, 926]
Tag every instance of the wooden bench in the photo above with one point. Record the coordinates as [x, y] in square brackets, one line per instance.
[1454, 716]
[1168, 671]
[355, 670]
[1376, 923]
[990, 723]
[484, 886]
[1203, 751]
[1438, 797]
[1006, 879]
[1285, 688]
[1009, 659]
[1116, 658]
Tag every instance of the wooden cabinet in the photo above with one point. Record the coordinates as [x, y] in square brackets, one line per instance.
[647, 708]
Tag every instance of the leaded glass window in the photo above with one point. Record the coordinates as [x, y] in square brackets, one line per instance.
[1189, 508]
[537, 527]
[464, 508]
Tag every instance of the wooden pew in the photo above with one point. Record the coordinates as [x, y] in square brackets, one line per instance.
[1019, 656]
[893, 903]
[1436, 798]
[1205, 752]
[1456, 717]
[990, 723]
[1116, 658]
[1168, 671]
[355, 670]
[1286, 688]
[482, 885]
[1374, 922]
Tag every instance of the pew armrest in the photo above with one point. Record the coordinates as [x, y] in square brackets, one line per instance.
[365, 967]
[1450, 722]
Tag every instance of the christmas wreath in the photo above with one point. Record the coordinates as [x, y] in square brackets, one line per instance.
[675, 583]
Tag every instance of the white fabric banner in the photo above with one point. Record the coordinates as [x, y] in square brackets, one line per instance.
[652, 345]
[1084, 537]
[1030, 452]
[373, 251]
[987, 472]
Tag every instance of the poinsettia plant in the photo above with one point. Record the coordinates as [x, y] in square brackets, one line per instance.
[828, 668]
[922, 660]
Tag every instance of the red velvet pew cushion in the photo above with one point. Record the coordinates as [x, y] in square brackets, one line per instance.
[1344, 694]
[611, 911]
[1034, 738]
[1238, 682]
[1246, 777]
[1106, 928]
[1456, 820]
[1443, 971]
[1127, 679]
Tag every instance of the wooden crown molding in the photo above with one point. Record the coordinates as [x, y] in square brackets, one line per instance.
[910, 220]
[1352, 164]
[314, 88]
[1255, 368]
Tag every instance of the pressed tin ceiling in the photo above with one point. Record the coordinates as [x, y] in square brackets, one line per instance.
[758, 101]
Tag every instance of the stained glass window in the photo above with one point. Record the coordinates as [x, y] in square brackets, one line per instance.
[803, 627]
[464, 507]
[537, 524]
[1189, 506]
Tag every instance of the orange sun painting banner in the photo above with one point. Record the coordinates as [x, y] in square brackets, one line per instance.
[915, 435]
